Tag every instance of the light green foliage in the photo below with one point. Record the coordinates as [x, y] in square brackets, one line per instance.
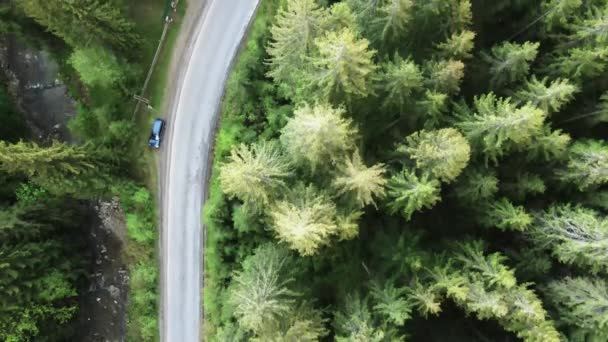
[409, 193]
[489, 269]
[305, 221]
[340, 17]
[344, 64]
[424, 299]
[504, 215]
[82, 22]
[580, 63]
[442, 154]
[97, 66]
[498, 127]
[476, 184]
[582, 303]
[595, 27]
[575, 236]
[363, 182]
[559, 12]
[390, 302]
[510, 62]
[59, 168]
[445, 76]
[318, 135]
[348, 224]
[433, 105]
[549, 145]
[293, 33]
[401, 79]
[550, 98]
[254, 174]
[301, 324]
[354, 323]
[392, 20]
[524, 184]
[260, 292]
[458, 46]
[587, 165]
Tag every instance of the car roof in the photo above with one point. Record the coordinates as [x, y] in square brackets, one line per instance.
[156, 125]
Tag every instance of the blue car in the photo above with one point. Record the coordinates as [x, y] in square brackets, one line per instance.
[156, 135]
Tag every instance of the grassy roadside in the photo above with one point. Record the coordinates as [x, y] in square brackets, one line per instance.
[139, 202]
[233, 129]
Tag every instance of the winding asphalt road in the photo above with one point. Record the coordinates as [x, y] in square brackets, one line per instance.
[204, 63]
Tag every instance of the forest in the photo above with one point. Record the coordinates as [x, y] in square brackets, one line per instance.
[47, 187]
[421, 170]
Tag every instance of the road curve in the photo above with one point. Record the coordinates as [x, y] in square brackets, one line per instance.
[204, 65]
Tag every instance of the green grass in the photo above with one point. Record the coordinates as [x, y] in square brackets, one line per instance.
[139, 203]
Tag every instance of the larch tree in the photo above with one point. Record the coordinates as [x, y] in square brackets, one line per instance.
[497, 127]
[362, 182]
[458, 46]
[587, 165]
[254, 174]
[442, 154]
[550, 98]
[305, 221]
[318, 135]
[582, 304]
[575, 236]
[344, 66]
[260, 292]
[292, 37]
[444, 76]
[401, 79]
[409, 193]
[510, 62]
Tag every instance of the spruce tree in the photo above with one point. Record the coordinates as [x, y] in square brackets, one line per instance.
[458, 46]
[497, 127]
[575, 236]
[550, 98]
[401, 79]
[409, 193]
[504, 215]
[587, 165]
[509, 62]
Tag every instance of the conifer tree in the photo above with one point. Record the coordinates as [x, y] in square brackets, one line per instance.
[60, 168]
[445, 76]
[476, 185]
[340, 17]
[503, 215]
[510, 62]
[433, 106]
[391, 21]
[363, 182]
[81, 22]
[390, 302]
[580, 63]
[587, 165]
[582, 303]
[575, 235]
[344, 64]
[459, 46]
[305, 221]
[443, 153]
[409, 193]
[318, 135]
[559, 12]
[293, 33]
[401, 79]
[355, 322]
[549, 145]
[498, 127]
[261, 293]
[254, 174]
[524, 184]
[550, 98]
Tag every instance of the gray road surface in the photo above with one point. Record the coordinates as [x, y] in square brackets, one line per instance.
[203, 67]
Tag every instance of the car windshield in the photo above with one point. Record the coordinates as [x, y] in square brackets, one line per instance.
[156, 127]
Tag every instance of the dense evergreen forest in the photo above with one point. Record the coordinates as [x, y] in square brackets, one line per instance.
[423, 170]
[46, 187]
